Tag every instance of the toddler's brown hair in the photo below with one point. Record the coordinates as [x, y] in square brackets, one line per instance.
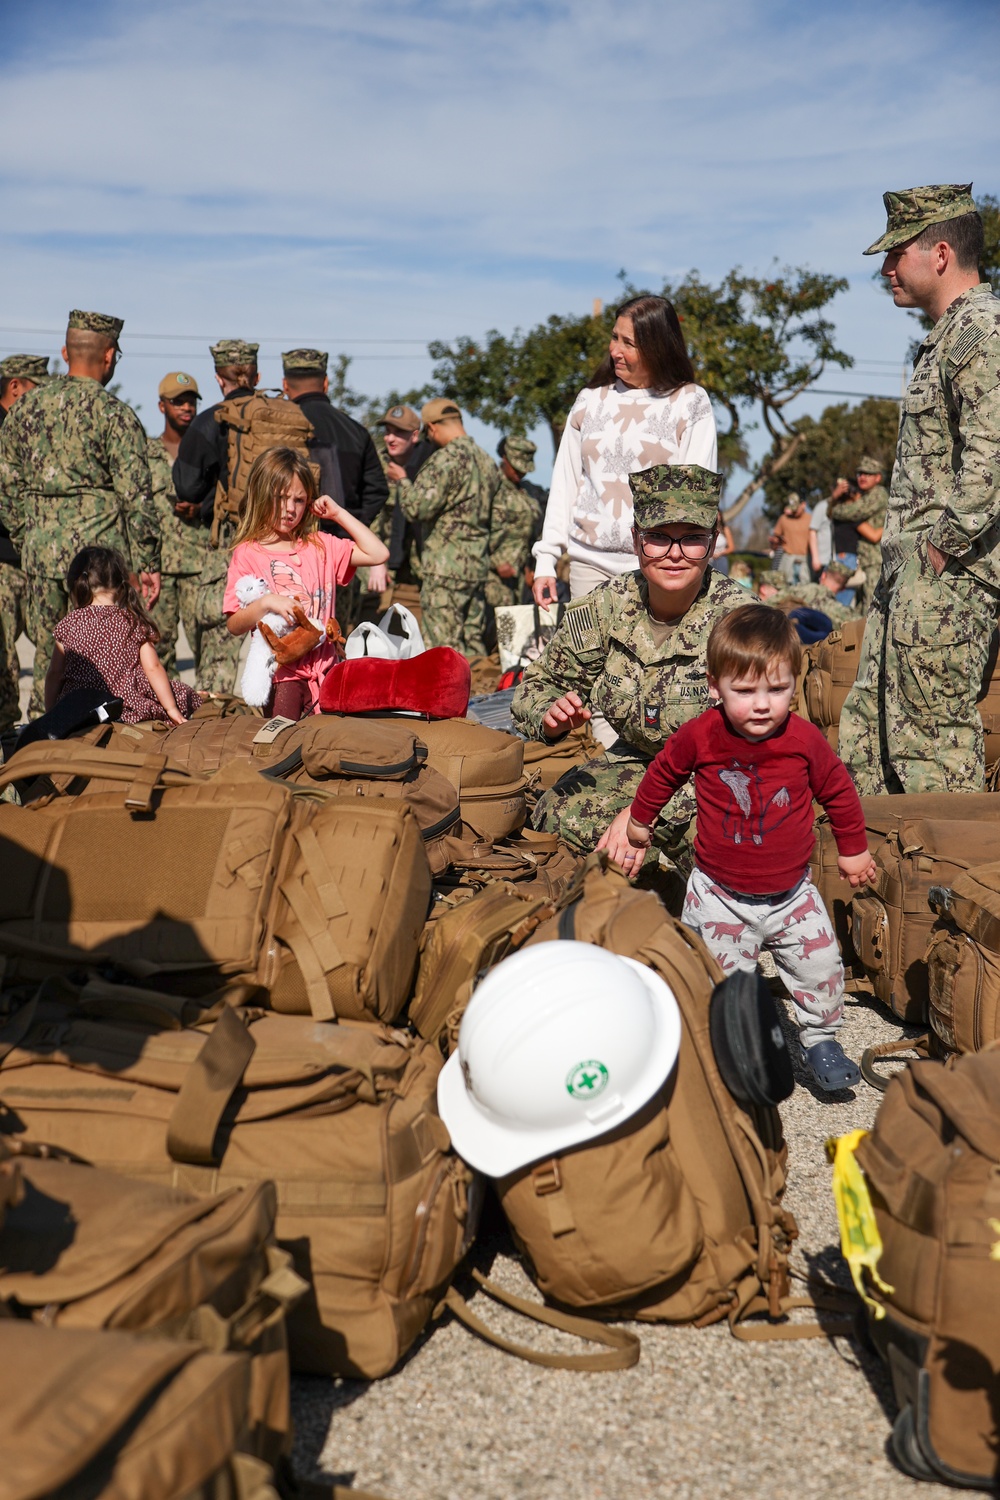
[750, 640]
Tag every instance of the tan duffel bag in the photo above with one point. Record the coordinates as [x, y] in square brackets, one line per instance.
[111, 1416]
[963, 961]
[486, 766]
[544, 763]
[350, 757]
[831, 667]
[372, 1204]
[930, 1167]
[675, 1216]
[299, 898]
[82, 1248]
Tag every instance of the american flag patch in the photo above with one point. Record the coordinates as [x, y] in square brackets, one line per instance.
[581, 622]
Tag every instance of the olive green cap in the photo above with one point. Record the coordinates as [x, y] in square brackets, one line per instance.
[667, 493]
[519, 453]
[233, 352]
[908, 213]
[305, 362]
[774, 578]
[25, 367]
[869, 465]
[92, 322]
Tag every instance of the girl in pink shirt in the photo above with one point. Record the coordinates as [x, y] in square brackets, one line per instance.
[276, 540]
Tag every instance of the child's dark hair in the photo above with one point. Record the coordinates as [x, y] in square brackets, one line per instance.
[103, 568]
[750, 640]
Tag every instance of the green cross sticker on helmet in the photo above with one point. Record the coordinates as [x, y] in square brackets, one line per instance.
[559, 1044]
[587, 1080]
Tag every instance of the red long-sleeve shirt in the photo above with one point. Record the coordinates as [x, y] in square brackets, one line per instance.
[755, 819]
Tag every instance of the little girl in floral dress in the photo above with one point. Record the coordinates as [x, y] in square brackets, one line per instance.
[107, 643]
[276, 541]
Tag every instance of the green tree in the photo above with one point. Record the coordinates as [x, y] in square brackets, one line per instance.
[756, 343]
[832, 445]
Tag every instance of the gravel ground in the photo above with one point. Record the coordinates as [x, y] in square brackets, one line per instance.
[701, 1414]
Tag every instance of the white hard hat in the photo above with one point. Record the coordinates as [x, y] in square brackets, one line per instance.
[560, 1043]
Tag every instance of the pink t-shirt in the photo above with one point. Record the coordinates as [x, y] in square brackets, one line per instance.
[310, 575]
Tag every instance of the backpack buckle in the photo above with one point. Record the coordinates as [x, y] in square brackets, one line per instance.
[547, 1178]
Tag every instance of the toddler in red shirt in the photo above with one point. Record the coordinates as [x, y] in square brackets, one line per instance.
[757, 769]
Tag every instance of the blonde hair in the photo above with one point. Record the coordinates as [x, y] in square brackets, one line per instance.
[270, 477]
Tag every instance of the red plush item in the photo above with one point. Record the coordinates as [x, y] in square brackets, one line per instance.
[436, 684]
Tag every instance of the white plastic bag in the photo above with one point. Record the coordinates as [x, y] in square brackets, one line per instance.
[376, 640]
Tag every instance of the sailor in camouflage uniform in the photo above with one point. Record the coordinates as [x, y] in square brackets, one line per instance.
[775, 589]
[866, 509]
[74, 474]
[515, 520]
[910, 723]
[452, 498]
[634, 649]
[185, 539]
[19, 374]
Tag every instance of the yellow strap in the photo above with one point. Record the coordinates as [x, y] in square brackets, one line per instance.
[860, 1241]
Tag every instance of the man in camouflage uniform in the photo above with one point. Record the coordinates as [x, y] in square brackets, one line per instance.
[19, 374]
[202, 465]
[452, 498]
[634, 650]
[910, 723]
[867, 513]
[515, 518]
[774, 588]
[74, 474]
[184, 537]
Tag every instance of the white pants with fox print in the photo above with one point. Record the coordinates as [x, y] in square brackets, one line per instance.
[794, 927]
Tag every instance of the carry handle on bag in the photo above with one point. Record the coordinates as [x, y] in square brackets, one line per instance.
[143, 773]
[369, 639]
[622, 1346]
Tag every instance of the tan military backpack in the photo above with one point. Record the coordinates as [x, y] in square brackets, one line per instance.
[255, 423]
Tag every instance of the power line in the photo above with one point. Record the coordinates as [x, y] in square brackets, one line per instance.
[204, 338]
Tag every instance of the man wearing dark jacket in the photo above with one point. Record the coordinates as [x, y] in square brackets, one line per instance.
[350, 471]
[202, 463]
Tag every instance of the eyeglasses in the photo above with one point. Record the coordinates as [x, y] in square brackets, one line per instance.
[694, 547]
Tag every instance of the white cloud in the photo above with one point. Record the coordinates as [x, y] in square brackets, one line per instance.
[418, 170]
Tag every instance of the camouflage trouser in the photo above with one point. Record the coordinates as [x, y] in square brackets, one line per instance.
[587, 798]
[13, 591]
[46, 603]
[503, 591]
[454, 614]
[218, 652]
[870, 559]
[910, 723]
[178, 601]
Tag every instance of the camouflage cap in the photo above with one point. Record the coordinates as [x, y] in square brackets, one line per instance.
[233, 352]
[177, 383]
[441, 409]
[519, 453]
[910, 211]
[25, 367]
[869, 465]
[403, 417]
[305, 362]
[773, 579]
[91, 322]
[793, 500]
[837, 569]
[667, 493]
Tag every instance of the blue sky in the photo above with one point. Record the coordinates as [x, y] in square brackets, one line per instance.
[369, 176]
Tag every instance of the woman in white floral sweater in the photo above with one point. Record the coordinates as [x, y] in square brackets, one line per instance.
[642, 407]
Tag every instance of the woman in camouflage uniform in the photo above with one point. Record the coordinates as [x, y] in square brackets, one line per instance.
[633, 650]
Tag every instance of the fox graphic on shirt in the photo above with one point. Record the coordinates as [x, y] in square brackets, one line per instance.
[748, 815]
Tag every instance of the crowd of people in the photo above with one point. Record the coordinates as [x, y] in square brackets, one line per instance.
[110, 539]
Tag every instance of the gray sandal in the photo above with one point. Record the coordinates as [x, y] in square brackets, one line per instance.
[830, 1066]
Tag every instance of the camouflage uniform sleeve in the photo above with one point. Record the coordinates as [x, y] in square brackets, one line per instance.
[511, 527]
[572, 662]
[429, 494]
[973, 373]
[11, 482]
[869, 507]
[127, 456]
